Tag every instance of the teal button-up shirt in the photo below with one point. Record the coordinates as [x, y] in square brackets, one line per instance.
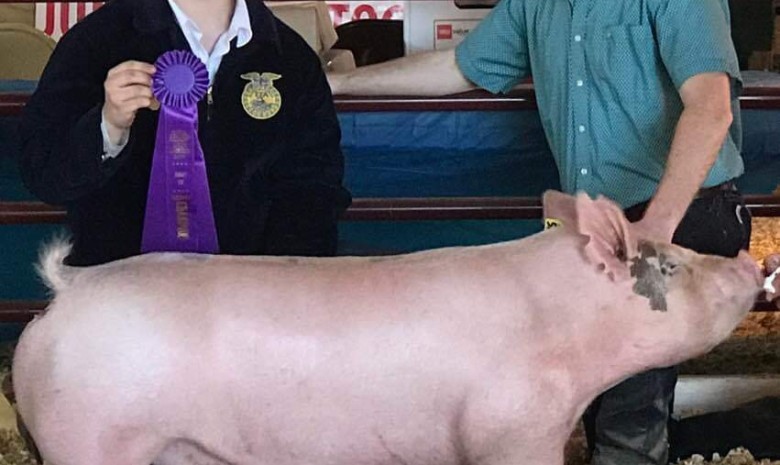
[606, 75]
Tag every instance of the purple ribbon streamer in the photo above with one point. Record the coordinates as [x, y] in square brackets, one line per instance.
[179, 216]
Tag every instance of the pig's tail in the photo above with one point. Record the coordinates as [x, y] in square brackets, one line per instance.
[51, 264]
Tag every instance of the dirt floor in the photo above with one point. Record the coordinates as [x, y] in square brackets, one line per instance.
[754, 348]
[13, 450]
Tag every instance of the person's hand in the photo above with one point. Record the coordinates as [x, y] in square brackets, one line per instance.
[128, 88]
[650, 230]
[771, 264]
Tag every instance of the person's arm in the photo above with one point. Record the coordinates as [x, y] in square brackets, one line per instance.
[699, 135]
[305, 184]
[428, 73]
[694, 42]
[62, 131]
[494, 56]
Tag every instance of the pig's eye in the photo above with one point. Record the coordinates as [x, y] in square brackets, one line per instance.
[668, 268]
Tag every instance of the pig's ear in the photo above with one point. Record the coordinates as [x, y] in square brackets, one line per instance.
[610, 244]
[559, 208]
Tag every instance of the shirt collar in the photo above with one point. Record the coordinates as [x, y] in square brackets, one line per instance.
[156, 15]
[240, 26]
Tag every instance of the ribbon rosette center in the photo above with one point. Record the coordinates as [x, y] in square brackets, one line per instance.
[180, 80]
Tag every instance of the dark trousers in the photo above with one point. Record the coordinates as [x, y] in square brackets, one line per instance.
[629, 424]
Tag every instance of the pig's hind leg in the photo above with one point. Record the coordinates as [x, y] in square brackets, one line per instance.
[113, 450]
[69, 435]
[86, 395]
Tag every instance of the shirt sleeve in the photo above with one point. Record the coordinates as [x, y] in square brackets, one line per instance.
[112, 150]
[494, 55]
[694, 37]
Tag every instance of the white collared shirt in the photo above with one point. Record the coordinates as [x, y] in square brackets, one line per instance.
[240, 29]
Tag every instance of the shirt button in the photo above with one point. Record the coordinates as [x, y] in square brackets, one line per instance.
[577, 38]
[584, 171]
[581, 128]
[579, 82]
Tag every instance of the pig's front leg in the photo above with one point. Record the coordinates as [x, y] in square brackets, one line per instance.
[501, 428]
[522, 453]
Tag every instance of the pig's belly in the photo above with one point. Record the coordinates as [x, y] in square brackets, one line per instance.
[411, 444]
[352, 400]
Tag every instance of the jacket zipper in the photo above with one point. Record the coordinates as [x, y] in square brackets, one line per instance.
[209, 102]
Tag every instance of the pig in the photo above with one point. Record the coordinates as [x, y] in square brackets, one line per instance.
[484, 355]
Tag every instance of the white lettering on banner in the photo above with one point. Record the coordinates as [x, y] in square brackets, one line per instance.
[55, 19]
[345, 11]
[449, 33]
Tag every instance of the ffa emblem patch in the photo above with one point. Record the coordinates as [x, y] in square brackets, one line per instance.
[261, 100]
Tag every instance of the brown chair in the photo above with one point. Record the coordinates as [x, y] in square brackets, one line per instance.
[372, 40]
[23, 13]
[24, 51]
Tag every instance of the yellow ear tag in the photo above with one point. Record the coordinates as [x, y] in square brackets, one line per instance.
[550, 223]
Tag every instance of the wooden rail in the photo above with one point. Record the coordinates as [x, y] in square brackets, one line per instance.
[520, 98]
[393, 209]
[366, 209]
[20, 311]
[755, 98]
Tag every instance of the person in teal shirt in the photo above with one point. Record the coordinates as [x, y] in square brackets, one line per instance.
[638, 100]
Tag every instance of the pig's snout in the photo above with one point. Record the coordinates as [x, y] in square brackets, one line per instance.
[750, 267]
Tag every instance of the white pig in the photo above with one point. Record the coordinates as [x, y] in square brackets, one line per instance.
[474, 355]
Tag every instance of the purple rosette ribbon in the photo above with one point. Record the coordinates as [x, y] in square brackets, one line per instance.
[179, 216]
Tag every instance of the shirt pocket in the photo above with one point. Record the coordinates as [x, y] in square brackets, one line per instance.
[625, 53]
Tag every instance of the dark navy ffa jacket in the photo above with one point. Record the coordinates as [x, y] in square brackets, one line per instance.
[276, 184]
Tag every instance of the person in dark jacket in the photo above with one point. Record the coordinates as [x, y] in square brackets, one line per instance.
[88, 131]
